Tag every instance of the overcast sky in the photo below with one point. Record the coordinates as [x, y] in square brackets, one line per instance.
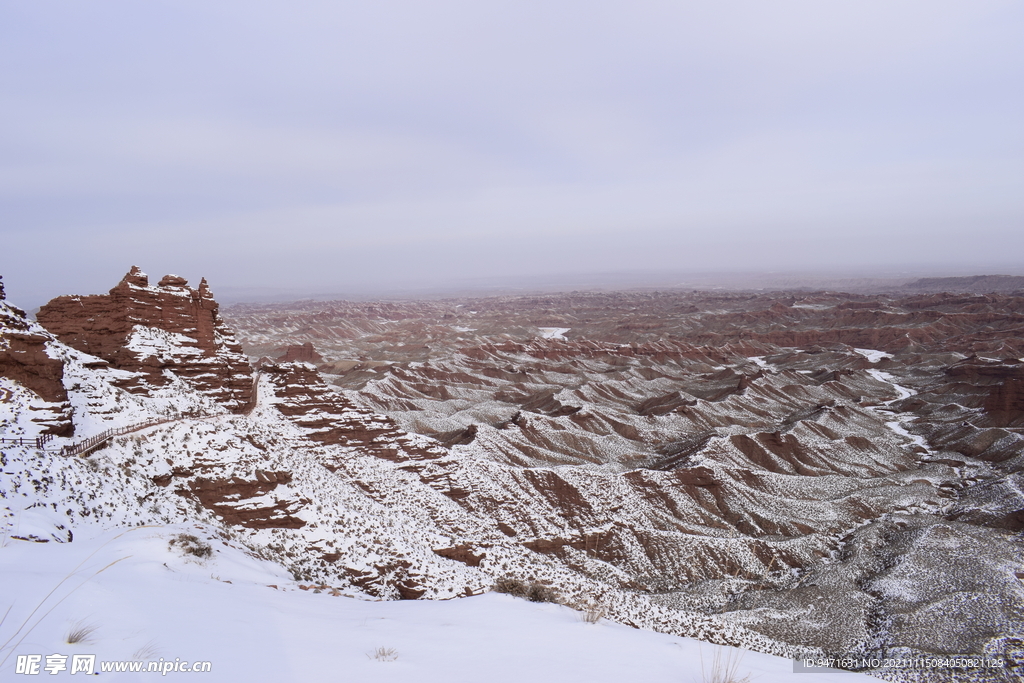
[365, 146]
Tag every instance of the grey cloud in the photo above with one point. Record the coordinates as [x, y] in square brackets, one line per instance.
[340, 146]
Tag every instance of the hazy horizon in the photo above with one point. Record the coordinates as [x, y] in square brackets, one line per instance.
[354, 149]
[867, 281]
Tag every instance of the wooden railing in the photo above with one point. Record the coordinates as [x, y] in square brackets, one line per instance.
[86, 445]
[93, 442]
[35, 441]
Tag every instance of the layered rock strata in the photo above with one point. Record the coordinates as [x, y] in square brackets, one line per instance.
[327, 416]
[159, 332]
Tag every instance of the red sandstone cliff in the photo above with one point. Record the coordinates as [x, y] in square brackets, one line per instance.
[169, 328]
[24, 359]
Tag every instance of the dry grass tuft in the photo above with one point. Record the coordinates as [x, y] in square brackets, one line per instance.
[723, 667]
[80, 632]
[384, 654]
[591, 611]
[147, 652]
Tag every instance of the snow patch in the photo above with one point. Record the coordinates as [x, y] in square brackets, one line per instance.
[553, 332]
[760, 362]
[872, 355]
[903, 391]
[151, 341]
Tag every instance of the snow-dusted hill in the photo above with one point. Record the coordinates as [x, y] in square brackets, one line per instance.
[789, 511]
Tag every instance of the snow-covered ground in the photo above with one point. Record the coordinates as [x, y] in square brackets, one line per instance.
[145, 600]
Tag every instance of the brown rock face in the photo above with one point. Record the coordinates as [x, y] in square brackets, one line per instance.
[1006, 403]
[23, 358]
[232, 500]
[25, 361]
[153, 330]
[462, 553]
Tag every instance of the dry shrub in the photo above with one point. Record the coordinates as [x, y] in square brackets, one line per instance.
[538, 592]
[534, 591]
[591, 614]
[191, 545]
[517, 588]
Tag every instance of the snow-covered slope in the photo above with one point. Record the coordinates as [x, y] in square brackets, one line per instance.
[140, 599]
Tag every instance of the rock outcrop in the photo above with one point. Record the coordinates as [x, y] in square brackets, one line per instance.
[24, 359]
[304, 353]
[1003, 384]
[169, 330]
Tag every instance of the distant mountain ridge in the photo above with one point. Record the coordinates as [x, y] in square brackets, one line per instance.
[974, 284]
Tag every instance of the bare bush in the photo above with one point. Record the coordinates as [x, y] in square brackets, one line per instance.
[534, 591]
[538, 592]
[517, 588]
[592, 614]
[189, 544]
